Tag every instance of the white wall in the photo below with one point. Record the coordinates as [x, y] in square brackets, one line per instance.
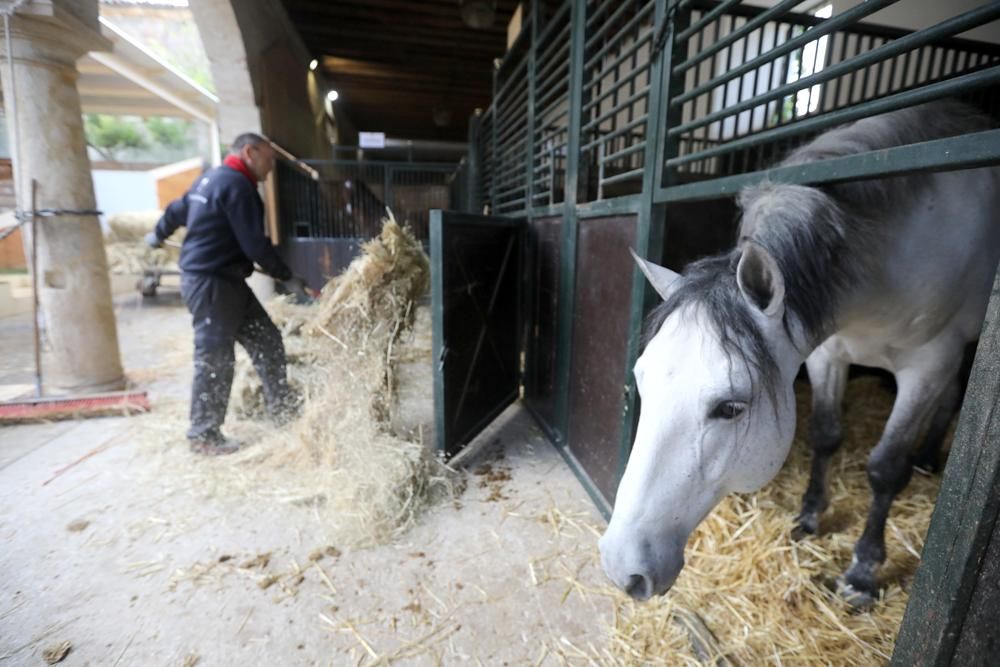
[917, 14]
[120, 191]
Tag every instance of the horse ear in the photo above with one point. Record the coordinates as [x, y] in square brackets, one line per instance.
[660, 277]
[760, 280]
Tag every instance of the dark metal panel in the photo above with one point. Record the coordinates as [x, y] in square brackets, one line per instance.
[541, 384]
[318, 260]
[964, 519]
[601, 309]
[476, 293]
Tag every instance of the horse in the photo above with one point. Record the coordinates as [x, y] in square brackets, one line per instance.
[893, 273]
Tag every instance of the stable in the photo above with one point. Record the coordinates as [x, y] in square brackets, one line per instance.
[632, 125]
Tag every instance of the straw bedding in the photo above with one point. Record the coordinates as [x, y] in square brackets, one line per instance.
[127, 251]
[339, 457]
[754, 596]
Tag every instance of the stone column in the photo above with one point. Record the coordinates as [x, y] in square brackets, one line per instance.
[75, 289]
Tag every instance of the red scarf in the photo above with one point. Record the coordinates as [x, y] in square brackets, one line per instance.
[235, 162]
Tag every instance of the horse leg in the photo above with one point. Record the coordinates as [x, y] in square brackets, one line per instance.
[890, 467]
[928, 457]
[828, 379]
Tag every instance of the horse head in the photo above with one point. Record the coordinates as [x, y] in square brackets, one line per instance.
[718, 411]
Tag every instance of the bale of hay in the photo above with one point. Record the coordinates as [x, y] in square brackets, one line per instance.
[769, 599]
[341, 457]
[126, 249]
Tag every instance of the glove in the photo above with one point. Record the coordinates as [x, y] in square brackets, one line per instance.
[153, 241]
[297, 287]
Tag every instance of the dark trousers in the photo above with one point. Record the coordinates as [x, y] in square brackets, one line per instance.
[225, 311]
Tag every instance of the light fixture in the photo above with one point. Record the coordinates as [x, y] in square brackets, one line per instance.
[478, 14]
[332, 96]
[313, 64]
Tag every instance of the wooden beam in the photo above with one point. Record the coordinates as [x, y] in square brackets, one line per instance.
[964, 519]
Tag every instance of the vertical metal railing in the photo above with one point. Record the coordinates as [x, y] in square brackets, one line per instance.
[618, 52]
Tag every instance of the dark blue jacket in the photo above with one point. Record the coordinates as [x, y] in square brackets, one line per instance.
[224, 217]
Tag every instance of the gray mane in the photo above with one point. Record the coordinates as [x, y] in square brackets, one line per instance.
[824, 239]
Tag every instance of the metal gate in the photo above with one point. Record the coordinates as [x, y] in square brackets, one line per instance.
[659, 111]
[328, 208]
[476, 278]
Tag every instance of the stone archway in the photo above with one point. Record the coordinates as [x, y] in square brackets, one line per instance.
[222, 38]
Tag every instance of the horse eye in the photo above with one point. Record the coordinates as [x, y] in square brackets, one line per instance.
[728, 410]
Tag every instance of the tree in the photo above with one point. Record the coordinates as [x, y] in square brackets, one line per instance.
[109, 135]
[169, 132]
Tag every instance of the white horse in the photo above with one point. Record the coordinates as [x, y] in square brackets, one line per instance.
[892, 273]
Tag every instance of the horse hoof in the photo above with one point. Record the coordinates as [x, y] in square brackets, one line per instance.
[805, 525]
[859, 600]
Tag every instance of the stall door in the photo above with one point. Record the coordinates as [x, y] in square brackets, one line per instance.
[476, 276]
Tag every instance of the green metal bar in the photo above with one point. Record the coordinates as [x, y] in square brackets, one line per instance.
[512, 130]
[558, 41]
[625, 152]
[472, 203]
[620, 36]
[624, 176]
[775, 12]
[568, 240]
[545, 35]
[546, 211]
[607, 207]
[550, 100]
[926, 93]
[512, 79]
[415, 166]
[917, 39]
[512, 105]
[624, 129]
[548, 55]
[628, 78]
[534, 20]
[494, 153]
[556, 76]
[631, 99]
[607, 23]
[827, 26]
[963, 152]
[602, 504]
[638, 43]
[706, 19]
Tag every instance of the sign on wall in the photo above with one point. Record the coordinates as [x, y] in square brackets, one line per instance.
[371, 139]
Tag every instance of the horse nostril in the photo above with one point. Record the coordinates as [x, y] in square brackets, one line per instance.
[638, 587]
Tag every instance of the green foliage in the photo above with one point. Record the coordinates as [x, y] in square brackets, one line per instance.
[110, 135]
[154, 138]
[170, 132]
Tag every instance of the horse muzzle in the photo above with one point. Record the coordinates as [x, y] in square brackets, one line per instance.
[638, 567]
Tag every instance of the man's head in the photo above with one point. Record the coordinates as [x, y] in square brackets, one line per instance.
[256, 153]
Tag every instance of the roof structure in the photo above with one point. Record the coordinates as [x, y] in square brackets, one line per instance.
[413, 70]
[131, 80]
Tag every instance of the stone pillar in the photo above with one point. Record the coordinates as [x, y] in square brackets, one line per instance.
[75, 289]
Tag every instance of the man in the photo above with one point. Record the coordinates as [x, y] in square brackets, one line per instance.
[224, 217]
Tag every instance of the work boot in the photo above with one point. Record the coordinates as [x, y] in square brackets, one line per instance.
[214, 446]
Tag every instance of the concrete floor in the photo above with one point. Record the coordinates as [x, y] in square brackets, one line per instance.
[111, 543]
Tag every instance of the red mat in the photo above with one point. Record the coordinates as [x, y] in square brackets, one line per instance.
[74, 407]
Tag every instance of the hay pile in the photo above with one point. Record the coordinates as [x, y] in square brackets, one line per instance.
[127, 251]
[340, 455]
[766, 598]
